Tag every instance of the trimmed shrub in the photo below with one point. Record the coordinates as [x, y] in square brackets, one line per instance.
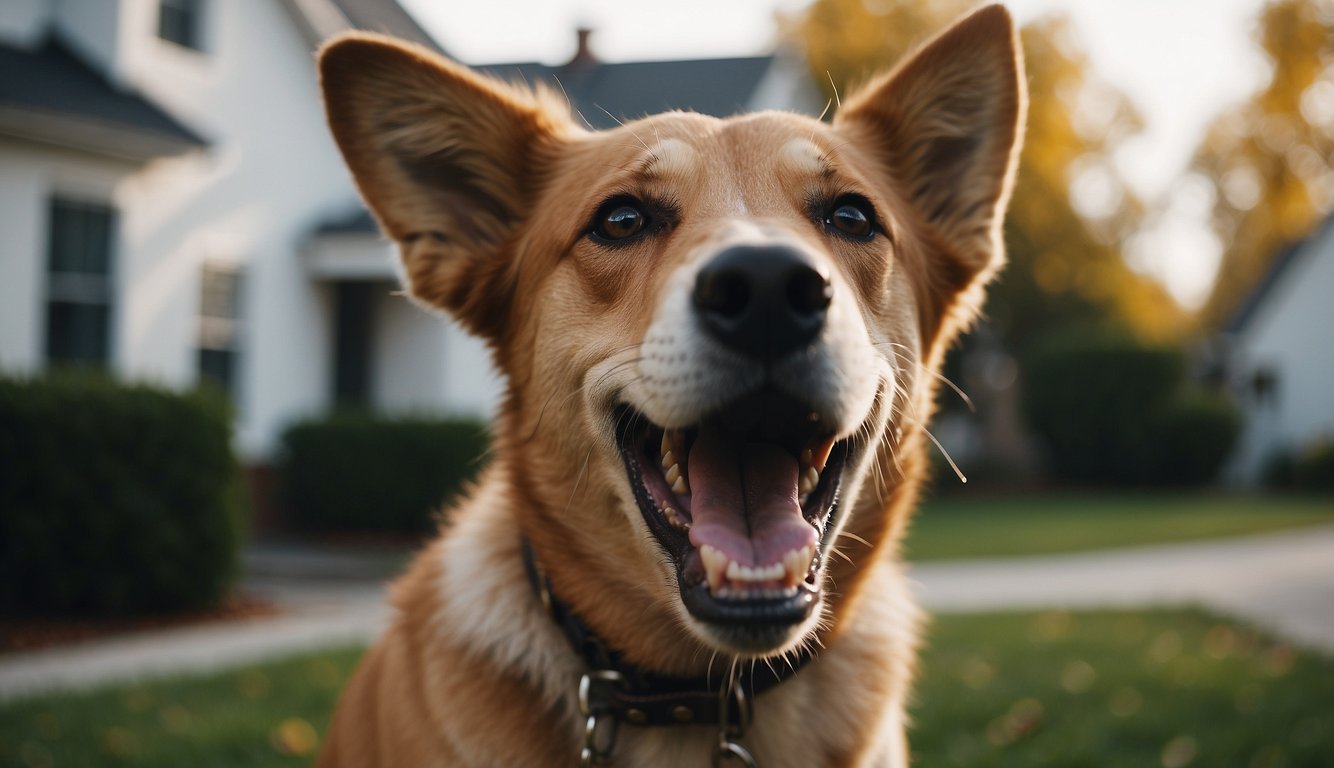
[1189, 438]
[359, 472]
[1110, 409]
[1313, 469]
[114, 499]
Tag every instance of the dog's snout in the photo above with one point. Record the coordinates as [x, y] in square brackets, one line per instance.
[762, 301]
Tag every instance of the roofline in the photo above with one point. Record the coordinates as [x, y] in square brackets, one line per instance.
[317, 19]
[101, 137]
[1250, 307]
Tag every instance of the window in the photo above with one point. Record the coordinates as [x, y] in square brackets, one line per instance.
[178, 21]
[79, 283]
[354, 319]
[220, 327]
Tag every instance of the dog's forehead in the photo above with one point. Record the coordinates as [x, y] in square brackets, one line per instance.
[745, 150]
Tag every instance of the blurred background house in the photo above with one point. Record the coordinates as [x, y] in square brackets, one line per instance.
[1280, 357]
[175, 211]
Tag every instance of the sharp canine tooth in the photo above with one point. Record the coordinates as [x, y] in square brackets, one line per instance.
[680, 488]
[666, 443]
[715, 567]
[820, 454]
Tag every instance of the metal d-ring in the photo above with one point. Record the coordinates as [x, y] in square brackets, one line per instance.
[729, 750]
[600, 725]
[729, 746]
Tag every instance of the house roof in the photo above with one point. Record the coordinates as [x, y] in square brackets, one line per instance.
[604, 94]
[1283, 262]
[356, 222]
[48, 94]
[385, 16]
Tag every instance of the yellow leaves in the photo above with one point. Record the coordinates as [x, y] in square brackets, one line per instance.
[1180, 752]
[294, 736]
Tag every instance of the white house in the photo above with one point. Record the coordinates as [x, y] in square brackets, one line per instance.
[173, 208]
[1281, 345]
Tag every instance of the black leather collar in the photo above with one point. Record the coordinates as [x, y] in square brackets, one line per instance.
[638, 697]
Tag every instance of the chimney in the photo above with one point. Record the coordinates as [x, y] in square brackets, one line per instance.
[584, 58]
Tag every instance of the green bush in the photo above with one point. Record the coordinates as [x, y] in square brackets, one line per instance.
[114, 499]
[1110, 409]
[366, 473]
[1189, 438]
[1313, 469]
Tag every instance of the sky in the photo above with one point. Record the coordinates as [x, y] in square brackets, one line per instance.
[1180, 61]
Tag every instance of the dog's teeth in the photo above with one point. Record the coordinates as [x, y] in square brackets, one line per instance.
[715, 567]
[666, 446]
[820, 454]
[809, 479]
[668, 459]
[805, 458]
[795, 566]
[673, 474]
[680, 487]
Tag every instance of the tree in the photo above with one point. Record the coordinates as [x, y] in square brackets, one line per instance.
[1271, 158]
[1071, 209]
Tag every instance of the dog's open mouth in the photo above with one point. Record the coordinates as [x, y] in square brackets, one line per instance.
[740, 501]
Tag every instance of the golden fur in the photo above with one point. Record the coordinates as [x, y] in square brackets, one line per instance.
[488, 190]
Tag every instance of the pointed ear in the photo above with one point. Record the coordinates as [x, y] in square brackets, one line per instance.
[948, 124]
[445, 159]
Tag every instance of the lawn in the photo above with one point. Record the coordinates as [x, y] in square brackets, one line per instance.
[964, 525]
[1101, 689]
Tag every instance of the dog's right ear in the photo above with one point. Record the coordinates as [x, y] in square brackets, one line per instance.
[445, 159]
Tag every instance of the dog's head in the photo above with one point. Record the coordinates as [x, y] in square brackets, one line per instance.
[717, 334]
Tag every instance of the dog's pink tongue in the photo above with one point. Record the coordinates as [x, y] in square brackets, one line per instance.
[743, 499]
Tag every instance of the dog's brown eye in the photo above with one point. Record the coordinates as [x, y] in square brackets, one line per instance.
[852, 217]
[619, 221]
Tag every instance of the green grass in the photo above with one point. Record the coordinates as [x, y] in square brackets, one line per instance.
[1119, 690]
[1099, 689]
[962, 526]
[265, 715]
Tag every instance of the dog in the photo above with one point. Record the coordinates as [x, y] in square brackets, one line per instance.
[719, 341]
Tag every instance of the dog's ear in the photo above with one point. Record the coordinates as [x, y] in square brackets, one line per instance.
[948, 124]
[446, 159]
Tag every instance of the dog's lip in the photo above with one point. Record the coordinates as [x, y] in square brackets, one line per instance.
[668, 518]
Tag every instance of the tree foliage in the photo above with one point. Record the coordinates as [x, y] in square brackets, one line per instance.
[1071, 209]
[1271, 158]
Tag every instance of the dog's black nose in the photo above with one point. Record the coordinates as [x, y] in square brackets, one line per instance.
[762, 301]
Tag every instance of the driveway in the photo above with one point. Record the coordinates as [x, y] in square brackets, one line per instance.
[1281, 581]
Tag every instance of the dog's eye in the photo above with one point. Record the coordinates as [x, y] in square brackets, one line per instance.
[852, 216]
[618, 220]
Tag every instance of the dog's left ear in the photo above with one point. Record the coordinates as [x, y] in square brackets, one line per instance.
[948, 124]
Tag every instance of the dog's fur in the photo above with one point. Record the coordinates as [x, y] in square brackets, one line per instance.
[494, 194]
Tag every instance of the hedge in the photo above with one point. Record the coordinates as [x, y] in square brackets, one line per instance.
[1109, 409]
[114, 499]
[359, 472]
[1310, 469]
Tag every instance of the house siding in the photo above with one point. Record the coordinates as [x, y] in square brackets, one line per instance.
[1288, 336]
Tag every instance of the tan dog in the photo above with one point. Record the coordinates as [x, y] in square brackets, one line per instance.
[719, 340]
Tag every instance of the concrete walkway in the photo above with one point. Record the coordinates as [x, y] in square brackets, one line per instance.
[1283, 582]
